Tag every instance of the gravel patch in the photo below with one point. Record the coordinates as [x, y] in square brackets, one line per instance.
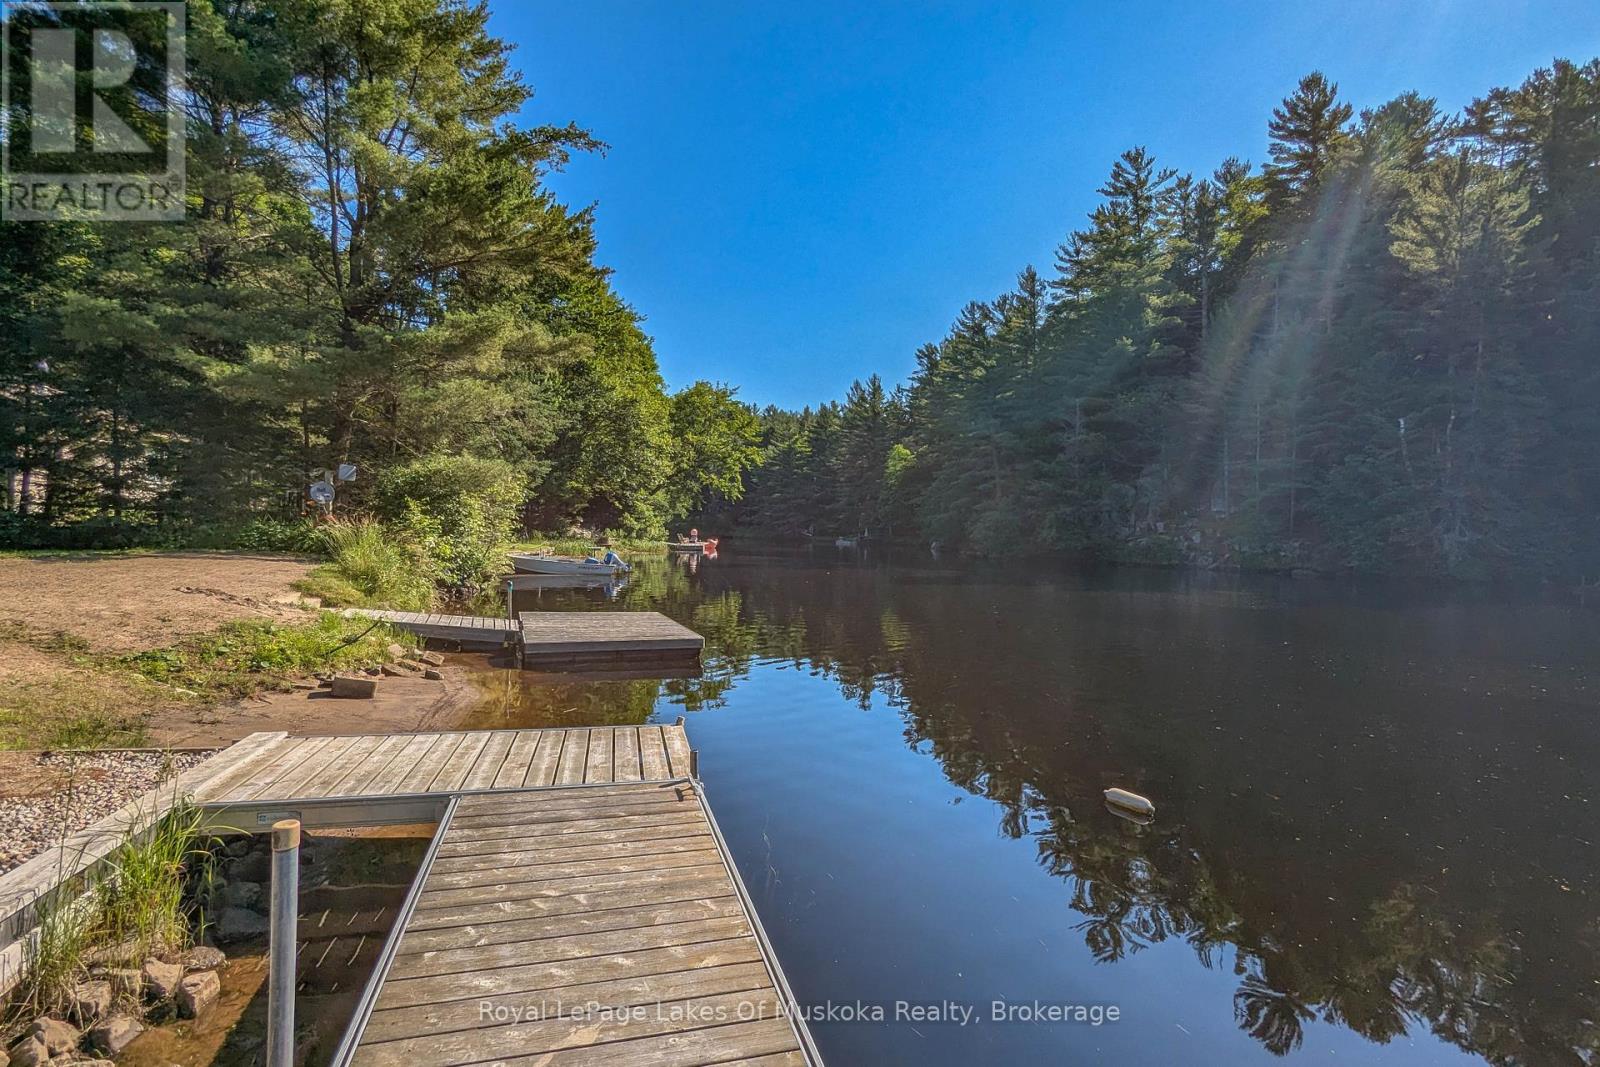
[95, 785]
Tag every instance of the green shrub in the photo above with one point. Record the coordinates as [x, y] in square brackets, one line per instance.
[370, 566]
[460, 512]
[277, 535]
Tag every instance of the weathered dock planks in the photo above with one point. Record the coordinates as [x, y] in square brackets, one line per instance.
[599, 637]
[467, 631]
[571, 868]
[592, 639]
[606, 921]
[387, 778]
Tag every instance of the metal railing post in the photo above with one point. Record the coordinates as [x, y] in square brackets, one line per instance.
[284, 936]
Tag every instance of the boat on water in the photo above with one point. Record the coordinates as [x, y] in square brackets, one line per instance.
[709, 545]
[539, 563]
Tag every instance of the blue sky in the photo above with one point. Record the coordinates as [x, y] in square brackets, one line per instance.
[799, 195]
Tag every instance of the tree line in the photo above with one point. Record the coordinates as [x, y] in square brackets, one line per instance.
[372, 271]
[1375, 352]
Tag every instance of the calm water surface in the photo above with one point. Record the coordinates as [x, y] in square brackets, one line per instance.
[1376, 830]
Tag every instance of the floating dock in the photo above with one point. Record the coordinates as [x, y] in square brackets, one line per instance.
[576, 878]
[483, 632]
[583, 925]
[579, 639]
[605, 638]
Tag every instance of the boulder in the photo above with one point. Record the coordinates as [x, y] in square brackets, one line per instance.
[204, 958]
[254, 867]
[240, 845]
[237, 924]
[243, 895]
[161, 979]
[432, 659]
[352, 687]
[30, 1052]
[432, 675]
[396, 651]
[197, 993]
[91, 1000]
[113, 1035]
[58, 1036]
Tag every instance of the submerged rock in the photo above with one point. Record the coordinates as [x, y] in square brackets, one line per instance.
[197, 993]
[113, 1035]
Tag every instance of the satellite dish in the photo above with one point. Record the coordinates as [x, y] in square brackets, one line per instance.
[321, 492]
[347, 472]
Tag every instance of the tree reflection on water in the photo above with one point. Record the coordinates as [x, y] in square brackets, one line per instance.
[1373, 808]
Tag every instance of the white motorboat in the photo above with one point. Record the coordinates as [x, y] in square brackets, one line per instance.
[532, 563]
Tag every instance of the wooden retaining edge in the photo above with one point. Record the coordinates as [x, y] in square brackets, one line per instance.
[65, 868]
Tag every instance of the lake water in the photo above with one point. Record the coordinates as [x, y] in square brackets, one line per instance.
[1376, 826]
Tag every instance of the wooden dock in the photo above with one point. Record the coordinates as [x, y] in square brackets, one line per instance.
[370, 779]
[483, 632]
[571, 869]
[604, 638]
[580, 639]
[581, 926]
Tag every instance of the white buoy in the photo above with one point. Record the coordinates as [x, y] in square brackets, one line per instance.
[1121, 798]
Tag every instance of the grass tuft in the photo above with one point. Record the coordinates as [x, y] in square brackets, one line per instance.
[57, 960]
[141, 903]
[368, 567]
[138, 905]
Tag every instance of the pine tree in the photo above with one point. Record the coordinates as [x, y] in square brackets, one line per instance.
[1308, 131]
